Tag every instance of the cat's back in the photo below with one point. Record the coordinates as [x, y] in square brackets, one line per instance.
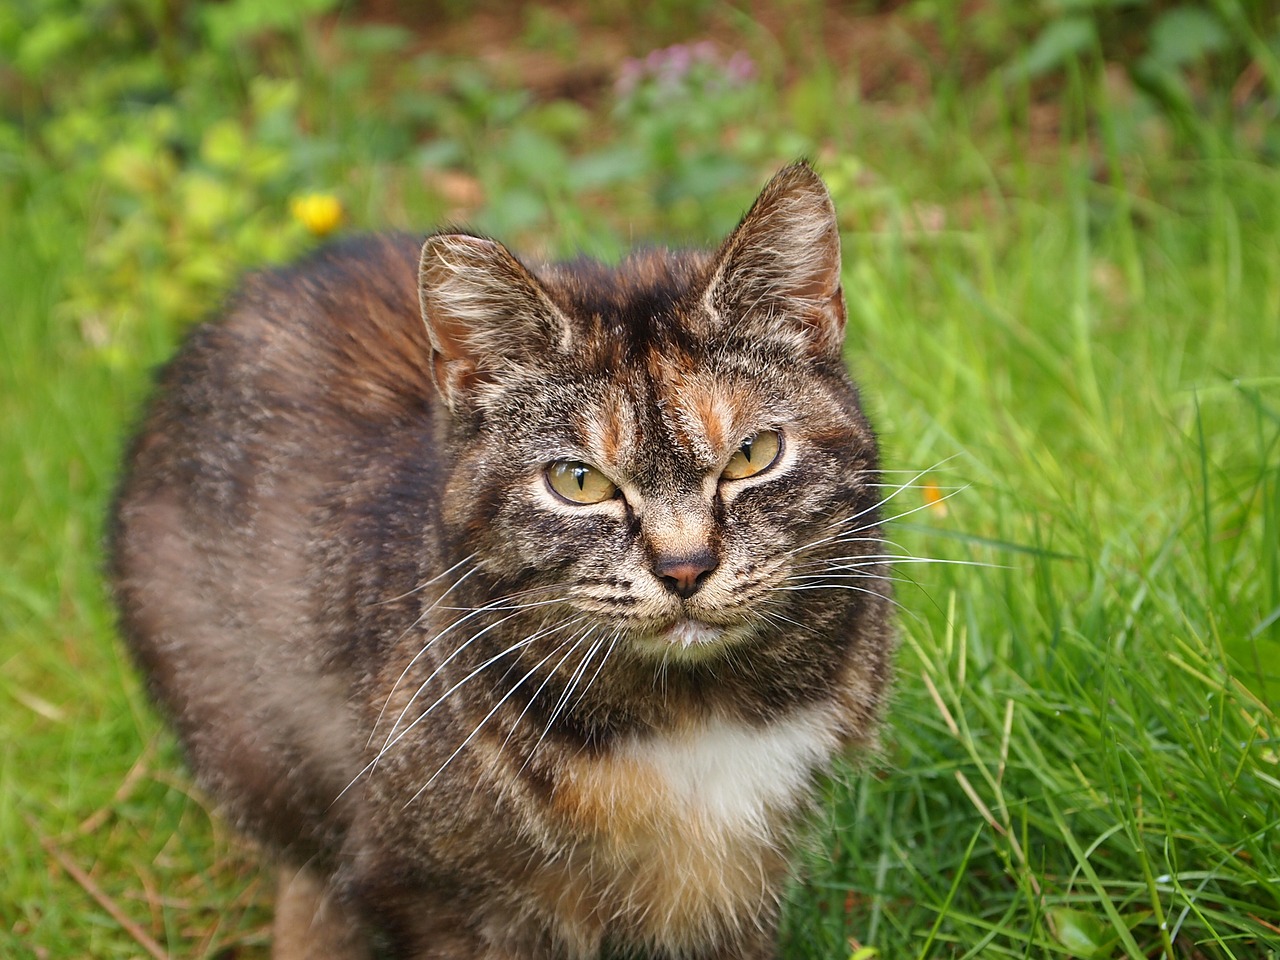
[337, 332]
[266, 433]
[267, 409]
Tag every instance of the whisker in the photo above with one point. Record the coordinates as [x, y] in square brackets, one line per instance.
[843, 539]
[613, 642]
[495, 606]
[844, 535]
[872, 560]
[579, 637]
[427, 583]
[555, 712]
[564, 697]
[505, 697]
[417, 620]
[934, 469]
[923, 506]
[917, 486]
[574, 679]
[847, 576]
[392, 741]
[904, 486]
[847, 586]
[386, 747]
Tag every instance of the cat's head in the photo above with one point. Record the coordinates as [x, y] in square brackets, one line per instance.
[670, 452]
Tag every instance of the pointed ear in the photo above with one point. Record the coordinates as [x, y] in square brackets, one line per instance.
[778, 274]
[483, 310]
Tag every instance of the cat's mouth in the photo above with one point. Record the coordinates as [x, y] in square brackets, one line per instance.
[691, 633]
[692, 640]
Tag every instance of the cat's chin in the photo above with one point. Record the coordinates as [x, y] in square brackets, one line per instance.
[691, 639]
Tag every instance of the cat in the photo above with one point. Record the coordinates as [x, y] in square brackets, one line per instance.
[517, 610]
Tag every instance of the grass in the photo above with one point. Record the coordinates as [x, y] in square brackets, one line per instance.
[1074, 330]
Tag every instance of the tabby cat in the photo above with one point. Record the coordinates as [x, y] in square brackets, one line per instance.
[516, 608]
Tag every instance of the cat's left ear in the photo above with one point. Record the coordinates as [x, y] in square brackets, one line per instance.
[484, 312]
[778, 274]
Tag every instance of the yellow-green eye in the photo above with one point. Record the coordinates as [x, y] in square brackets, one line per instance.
[756, 453]
[579, 482]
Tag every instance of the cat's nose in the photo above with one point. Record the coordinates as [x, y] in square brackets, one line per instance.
[683, 575]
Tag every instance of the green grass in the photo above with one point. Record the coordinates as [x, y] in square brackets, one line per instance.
[1077, 333]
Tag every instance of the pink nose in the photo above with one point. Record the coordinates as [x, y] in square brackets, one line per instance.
[684, 575]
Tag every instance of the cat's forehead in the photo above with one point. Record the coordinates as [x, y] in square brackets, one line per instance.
[649, 306]
[661, 382]
[670, 411]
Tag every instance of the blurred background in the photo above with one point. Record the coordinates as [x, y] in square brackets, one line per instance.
[1061, 226]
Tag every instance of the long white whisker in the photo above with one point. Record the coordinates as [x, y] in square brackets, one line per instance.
[613, 642]
[427, 583]
[896, 490]
[579, 637]
[845, 576]
[936, 467]
[849, 586]
[574, 679]
[907, 513]
[556, 711]
[386, 747]
[847, 539]
[417, 620]
[497, 605]
[871, 560]
[518, 645]
[564, 697]
[496, 707]
[476, 611]
[844, 536]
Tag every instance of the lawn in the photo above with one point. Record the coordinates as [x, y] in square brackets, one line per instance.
[1061, 232]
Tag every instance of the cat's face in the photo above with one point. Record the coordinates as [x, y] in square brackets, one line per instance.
[670, 456]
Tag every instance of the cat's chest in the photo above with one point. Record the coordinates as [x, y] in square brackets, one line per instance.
[675, 835]
[720, 777]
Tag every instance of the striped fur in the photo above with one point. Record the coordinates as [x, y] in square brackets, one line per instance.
[471, 717]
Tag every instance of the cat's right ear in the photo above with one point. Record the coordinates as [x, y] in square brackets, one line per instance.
[484, 311]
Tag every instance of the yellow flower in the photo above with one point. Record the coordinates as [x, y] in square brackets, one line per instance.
[933, 498]
[320, 213]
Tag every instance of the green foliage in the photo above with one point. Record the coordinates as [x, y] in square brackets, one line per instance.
[1187, 58]
[182, 161]
[1072, 335]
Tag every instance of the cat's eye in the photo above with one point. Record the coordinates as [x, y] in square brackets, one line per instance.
[579, 482]
[757, 452]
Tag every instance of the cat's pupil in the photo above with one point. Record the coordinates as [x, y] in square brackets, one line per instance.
[746, 447]
[580, 475]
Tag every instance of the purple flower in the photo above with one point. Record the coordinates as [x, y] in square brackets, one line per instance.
[682, 67]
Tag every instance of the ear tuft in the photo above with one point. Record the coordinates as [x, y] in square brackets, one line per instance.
[483, 310]
[778, 274]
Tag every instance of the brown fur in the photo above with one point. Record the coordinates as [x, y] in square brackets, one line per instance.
[472, 718]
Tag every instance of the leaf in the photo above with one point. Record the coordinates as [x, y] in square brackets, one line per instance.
[609, 165]
[1083, 934]
[1059, 42]
[376, 39]
[1185, 35]
[223, 145]
[229, 24]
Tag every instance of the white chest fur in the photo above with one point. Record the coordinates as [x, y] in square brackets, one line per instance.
[717, 780]
[731, 775]
[682, 834]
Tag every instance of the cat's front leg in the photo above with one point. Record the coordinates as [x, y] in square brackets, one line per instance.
[311, 923]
